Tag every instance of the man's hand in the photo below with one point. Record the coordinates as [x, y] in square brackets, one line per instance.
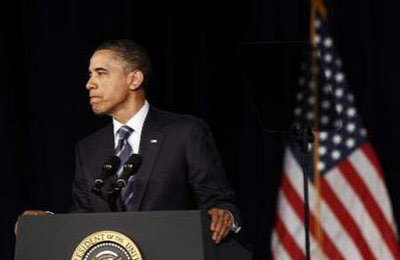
[30, 213]
[221, 223]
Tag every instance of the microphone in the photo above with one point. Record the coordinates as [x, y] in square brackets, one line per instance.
[109, 167]
[130, 168]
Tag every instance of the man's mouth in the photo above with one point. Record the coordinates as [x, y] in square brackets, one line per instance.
[94, 99]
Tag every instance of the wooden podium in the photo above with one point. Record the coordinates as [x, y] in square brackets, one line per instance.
[158, 235]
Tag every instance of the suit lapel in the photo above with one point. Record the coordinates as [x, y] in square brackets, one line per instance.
[150, 144]
[109, 142]
[102, 147]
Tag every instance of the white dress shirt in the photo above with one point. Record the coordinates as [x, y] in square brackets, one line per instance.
[136, 123]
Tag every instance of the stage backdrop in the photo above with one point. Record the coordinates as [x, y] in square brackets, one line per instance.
[44, 51]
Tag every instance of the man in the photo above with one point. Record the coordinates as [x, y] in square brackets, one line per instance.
[181, 168]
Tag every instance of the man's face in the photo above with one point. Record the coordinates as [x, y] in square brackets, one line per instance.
[108, 84]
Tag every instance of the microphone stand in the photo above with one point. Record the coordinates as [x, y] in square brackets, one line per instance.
[113, 193]
[112, 196]
[304, 136]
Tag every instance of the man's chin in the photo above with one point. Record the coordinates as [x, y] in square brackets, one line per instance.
[98, 111]
[100, 114]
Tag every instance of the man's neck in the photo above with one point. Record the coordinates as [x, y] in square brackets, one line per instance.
[123, 115]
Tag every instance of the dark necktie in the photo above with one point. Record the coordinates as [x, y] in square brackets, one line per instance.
[123, 151]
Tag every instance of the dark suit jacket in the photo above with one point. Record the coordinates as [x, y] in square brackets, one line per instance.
[181, 170]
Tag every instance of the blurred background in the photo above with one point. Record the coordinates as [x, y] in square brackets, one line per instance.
[196, 50]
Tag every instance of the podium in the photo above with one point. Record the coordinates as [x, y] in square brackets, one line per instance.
[157, 235]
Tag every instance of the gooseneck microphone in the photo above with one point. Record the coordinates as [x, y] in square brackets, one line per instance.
[130, 168]
[109, 167]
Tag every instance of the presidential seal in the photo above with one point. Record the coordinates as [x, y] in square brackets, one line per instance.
[107, 245]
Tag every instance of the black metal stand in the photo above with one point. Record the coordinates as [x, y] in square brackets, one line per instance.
[112, 195]
[304, 136]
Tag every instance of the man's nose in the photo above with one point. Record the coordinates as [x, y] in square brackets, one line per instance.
[90, 84]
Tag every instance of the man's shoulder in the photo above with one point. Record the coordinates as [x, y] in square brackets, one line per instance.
[174, 120]
[97, 136]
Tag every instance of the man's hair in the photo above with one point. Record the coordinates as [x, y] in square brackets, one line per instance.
[132, 53]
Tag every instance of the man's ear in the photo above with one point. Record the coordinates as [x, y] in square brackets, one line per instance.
[135, 79]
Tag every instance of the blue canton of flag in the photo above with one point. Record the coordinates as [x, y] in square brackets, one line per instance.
[341, 130]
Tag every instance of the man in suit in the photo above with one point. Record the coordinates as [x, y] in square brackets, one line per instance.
[181, 168]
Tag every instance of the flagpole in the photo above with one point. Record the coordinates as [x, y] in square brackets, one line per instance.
[317, 7]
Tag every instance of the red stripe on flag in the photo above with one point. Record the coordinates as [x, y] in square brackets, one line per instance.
[287, 240]
[297, 203]
[369, 152]
[370, 204]
[346, 220]
[271, 256]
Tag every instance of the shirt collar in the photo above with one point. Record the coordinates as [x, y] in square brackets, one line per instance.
[136, 122]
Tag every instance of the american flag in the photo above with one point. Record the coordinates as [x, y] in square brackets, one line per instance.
[350, 210]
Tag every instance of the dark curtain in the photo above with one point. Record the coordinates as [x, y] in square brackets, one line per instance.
[195, 47]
